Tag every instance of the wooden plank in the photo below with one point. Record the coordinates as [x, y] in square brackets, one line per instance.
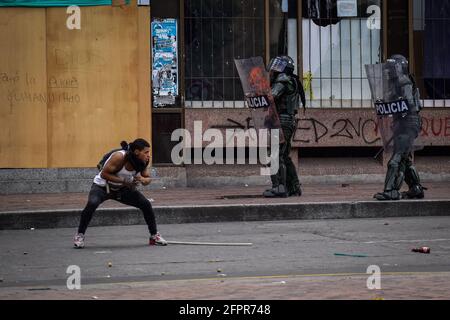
[23, 88]
[92, 76]
[230, 244]
[144, 108]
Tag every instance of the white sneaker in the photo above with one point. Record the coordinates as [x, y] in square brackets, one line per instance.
[157, 240]
[78, 241]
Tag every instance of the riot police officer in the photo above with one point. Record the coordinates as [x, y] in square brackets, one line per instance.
[406, 128]
[287, 90]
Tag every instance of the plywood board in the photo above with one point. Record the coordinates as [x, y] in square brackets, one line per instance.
[23, 88]
[92, 76]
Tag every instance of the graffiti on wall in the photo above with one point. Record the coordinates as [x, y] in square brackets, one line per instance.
[355, 128]
[313, 130]
[435, 127]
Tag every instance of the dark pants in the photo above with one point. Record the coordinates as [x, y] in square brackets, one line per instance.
[131, 197]
[400, 166]
[287, 173]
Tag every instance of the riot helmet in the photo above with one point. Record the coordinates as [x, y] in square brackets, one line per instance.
[281, 64]
[400, 62]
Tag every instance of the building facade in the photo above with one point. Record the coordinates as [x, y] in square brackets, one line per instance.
[330, 42]
[69, 95]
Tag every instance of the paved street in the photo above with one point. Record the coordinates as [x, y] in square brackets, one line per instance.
[288, 260]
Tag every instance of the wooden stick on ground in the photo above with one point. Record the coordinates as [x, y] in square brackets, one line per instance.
[210, 243]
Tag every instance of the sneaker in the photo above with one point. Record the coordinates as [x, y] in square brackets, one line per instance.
[157, 240]
[78, 241]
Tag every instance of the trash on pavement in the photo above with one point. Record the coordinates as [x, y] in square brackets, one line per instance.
[422, 250]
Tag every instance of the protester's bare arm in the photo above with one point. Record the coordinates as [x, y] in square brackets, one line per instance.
[114, 165]
[144, 178]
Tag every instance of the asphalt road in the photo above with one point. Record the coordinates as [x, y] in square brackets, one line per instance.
[33, 263]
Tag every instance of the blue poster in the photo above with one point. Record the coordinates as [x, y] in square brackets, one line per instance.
[165, 62]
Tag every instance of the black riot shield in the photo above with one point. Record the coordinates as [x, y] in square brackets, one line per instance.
[392, 96]
[258, 95]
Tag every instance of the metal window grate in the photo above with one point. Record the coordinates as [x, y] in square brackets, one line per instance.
[335, 49]
[336, 46]
[217, 32]
[431, 27]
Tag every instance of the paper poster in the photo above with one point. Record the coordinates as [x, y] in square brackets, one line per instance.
[347, 8]
[165, 62]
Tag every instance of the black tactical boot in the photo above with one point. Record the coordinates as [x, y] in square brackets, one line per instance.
[388, 195]
[415, 192]
[295, 192]
[413, 181]
[276, 192]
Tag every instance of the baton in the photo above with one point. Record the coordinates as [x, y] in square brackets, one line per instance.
[382, 148]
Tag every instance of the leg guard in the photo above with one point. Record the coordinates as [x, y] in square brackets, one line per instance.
[393, 181]
[411, 176]
[275, 180]
[279, 182]
[279, 189]
[416, 190]
[395, 174]
[292, 181]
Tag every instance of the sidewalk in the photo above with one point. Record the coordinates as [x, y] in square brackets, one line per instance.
[245, 203]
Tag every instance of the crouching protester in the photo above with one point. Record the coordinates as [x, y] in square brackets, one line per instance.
[120, 172]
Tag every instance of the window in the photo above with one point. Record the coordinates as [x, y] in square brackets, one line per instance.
[283, 28]
[217, 32]
[431, 27]
[339, 38]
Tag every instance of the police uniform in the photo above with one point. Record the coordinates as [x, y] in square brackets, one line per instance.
[406, 128]
[287, 91]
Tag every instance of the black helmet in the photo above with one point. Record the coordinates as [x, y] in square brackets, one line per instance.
[282, 64]
[401, 61]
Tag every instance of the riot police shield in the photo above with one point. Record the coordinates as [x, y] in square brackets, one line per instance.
[393, 98]
[258, 96]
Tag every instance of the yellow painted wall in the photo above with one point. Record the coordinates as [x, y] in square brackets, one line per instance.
[23, 88]
[95, 83]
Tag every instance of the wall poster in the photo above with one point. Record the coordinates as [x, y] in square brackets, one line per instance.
[164, 62]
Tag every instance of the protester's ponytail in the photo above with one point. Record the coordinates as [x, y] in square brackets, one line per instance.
[124, 145]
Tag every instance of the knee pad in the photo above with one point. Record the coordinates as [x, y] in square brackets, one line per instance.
[395, 160]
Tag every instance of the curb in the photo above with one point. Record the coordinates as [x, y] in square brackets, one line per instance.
[44, 219]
